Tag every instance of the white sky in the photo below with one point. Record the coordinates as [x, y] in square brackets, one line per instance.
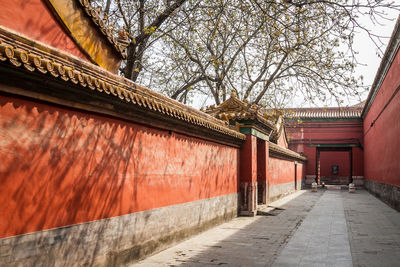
[368, 57]
[368, 53]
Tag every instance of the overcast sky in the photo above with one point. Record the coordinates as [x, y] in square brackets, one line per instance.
[368, 53]
[369, 57]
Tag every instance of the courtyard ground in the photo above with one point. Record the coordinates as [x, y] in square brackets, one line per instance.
[328, 228]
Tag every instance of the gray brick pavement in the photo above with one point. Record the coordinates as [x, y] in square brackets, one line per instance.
[322, 238]
[327, 228]
[374, 231]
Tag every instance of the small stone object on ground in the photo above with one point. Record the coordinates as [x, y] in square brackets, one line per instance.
[352, 188]
[314, 187]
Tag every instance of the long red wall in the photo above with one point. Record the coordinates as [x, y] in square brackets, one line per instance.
[301, 172]
[33, 19]
[382, 140]
[282, 171]
[61, 167]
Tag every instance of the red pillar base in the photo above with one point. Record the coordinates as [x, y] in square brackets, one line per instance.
[248, 201]
[263, 198]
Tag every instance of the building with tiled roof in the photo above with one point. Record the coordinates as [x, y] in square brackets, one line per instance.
[96, 170]
[345, 144]
[87, 156]
[331, 138]
[92, 164]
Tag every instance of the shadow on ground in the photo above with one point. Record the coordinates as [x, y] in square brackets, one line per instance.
[373, 233]
[244, 241]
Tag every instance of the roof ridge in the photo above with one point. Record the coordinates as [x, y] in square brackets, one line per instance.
[94, 15]
[324, 112]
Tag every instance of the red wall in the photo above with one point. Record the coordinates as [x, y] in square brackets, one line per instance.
[301, 172]
[340, 158]
[382, 140]
[310, 153]
[282, 171]
[61, 167]
[33, 19]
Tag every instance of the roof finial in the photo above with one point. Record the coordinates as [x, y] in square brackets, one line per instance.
[234, 94]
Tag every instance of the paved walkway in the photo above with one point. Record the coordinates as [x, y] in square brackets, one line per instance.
[322, 238]
[327, 228]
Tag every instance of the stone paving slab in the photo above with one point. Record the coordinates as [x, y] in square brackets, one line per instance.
[374, 230]
[327, 228]
[244, 241]
[322, 238]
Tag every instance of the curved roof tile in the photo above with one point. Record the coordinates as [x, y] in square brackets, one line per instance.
[325, 113]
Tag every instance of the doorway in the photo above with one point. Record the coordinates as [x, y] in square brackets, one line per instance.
[262, 186]
[334, 165]
[295, 175]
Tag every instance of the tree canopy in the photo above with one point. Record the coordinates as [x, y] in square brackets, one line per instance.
[268, 51]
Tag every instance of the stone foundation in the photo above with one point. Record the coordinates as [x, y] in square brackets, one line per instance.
[340, 180]
[119, 240]
[278, 191]
[390, 194]
[357, 180]
[309, 180]
[248, 198]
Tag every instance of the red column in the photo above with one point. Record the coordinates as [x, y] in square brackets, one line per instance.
[248, 176]
[267, 178]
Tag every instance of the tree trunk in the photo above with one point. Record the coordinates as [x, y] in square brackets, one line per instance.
[108, 4]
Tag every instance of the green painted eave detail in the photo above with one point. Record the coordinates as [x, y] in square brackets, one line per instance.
[335, 145]
[242, 122]
[247, 122]
[254, 132]
[331, 119]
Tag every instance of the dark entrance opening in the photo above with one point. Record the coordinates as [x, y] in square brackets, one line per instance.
[295, 175]
[261, 172]
[334, 165]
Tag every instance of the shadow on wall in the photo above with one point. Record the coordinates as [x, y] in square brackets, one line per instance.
[43, 150]
[61, 167]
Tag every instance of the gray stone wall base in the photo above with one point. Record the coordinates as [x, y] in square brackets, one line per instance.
[357, 180]
[278, 191]
[248, 213]
[248, 198]
[390, 194]
[309, 180]
[119, 240]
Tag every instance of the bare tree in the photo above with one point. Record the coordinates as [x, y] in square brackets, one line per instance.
[267, 51]
[141, 20]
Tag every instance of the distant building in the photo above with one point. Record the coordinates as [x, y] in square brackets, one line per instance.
[359, 143]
